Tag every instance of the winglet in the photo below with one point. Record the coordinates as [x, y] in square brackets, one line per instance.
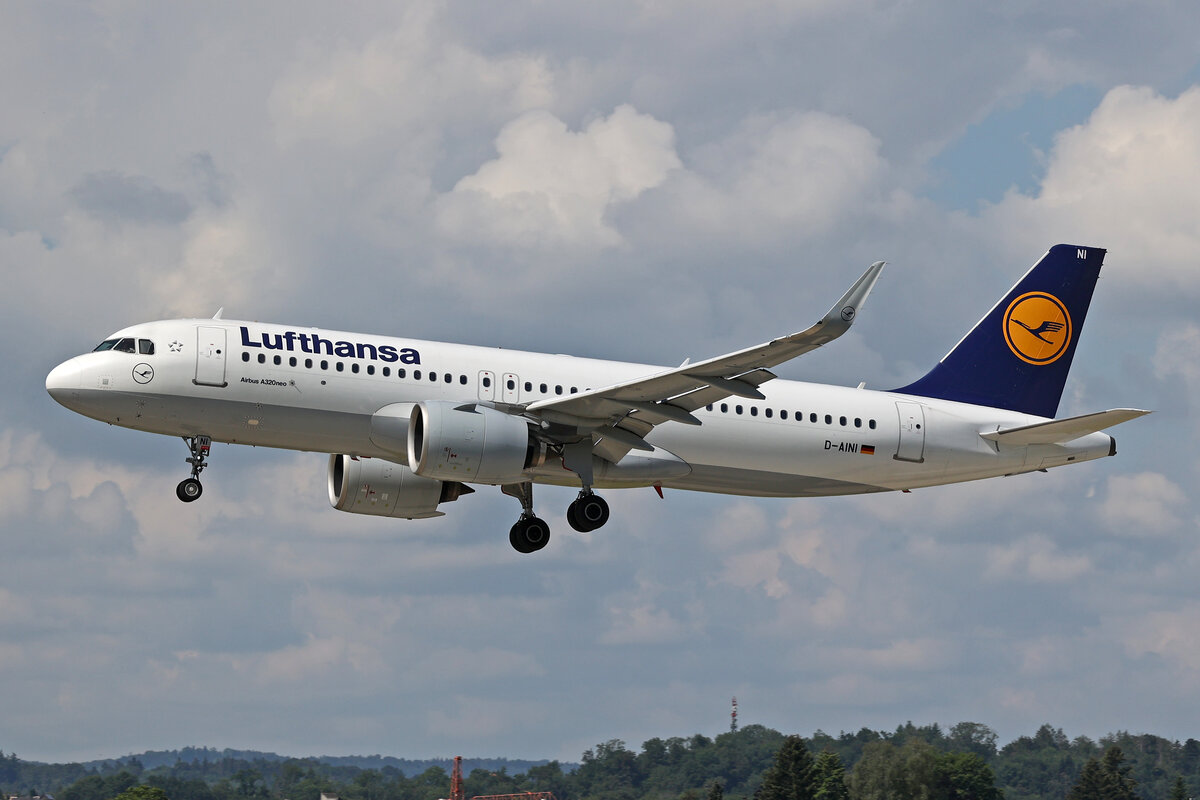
[844, 311]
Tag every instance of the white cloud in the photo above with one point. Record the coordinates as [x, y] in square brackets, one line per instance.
[550, 185]
[1145, 504]
[410, 83]
[1127, 179]
[1036, 558]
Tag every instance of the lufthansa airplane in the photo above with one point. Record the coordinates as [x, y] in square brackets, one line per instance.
[410, 425]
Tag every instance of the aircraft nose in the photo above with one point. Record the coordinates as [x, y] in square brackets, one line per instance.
[63, 380]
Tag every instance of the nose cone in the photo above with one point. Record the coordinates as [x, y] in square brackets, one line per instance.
[63, 381]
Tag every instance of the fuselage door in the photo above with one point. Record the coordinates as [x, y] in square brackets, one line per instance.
[511, 382]
[911, 446]
[210, 356]
[487, 385]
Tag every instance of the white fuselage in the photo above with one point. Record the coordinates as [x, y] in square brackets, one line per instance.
[319, 390]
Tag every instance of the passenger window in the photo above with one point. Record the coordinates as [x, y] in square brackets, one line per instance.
[462, 379]
[292, 361]
[828, 419]
[573, 390]
[528, 386]
[324, 364]
[308, 363]
[510, 384]
[262, 359]
[354, 367]
[387, 372]
[370, 369]
[842, 421]
[724, 408]
[709, 406]
[401, 372]
[146, 347]
[812, 417]
[543, 388]
[339, 366]
[487, 382]
[769, 413]
[783, 414]
[737, 409]
[447, 378]
[416, 374]
[278, 360]
[754, 411]
[558, 389]
[858, 422]
[871, 424]
[245, 356]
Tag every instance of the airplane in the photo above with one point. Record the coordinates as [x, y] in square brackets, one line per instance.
[410, 425]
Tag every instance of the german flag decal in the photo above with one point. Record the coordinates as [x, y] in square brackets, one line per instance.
[868, 450]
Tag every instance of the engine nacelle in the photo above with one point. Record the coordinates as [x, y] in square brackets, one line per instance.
[457, 442]
[386, 489]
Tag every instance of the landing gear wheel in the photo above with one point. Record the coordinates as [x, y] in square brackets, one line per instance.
[587, 513]
[188, 489]
[529, 535]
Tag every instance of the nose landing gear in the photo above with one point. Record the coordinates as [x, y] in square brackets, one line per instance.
[190, 489]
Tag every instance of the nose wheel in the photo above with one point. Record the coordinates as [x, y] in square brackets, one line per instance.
[189, 489]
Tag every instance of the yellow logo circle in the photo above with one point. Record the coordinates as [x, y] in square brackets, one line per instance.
[1037, 328]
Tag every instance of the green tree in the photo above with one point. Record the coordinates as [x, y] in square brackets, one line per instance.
[1090, 785]
[716, 791]
[1179, 789]
[1118, 785]
[829, 777]
[791, 777]
[142, 792]
[965, 776]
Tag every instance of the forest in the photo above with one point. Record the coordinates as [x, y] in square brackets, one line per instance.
[754, 763]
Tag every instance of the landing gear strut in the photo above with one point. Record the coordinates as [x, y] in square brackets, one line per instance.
[189, 488]
[530, 533]
[588, 512]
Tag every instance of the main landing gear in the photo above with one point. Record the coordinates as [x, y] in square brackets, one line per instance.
[190, 489]
[530, 533]
[588, 512]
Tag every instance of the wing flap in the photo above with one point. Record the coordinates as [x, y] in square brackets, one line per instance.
[1061, 431]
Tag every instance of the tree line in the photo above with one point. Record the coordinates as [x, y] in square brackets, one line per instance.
[926, 762]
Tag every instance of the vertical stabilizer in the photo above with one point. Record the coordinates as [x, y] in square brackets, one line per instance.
[1018, 356]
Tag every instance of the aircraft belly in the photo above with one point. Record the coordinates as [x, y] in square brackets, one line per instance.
[238, 422]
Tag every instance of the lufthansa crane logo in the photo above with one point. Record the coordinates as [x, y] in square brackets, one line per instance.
[1037, 328]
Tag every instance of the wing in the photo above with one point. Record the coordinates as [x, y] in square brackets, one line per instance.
[617, 418]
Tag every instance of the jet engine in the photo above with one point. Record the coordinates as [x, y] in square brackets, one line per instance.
[386, 489]
[457, 442]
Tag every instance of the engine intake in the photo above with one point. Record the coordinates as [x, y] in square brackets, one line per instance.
[386, 489]
[455, 442]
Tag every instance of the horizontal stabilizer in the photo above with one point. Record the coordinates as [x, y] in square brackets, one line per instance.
[1060, 431]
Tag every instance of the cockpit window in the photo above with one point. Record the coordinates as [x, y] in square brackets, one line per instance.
[107, 344]
[125, 346]
[146, 347]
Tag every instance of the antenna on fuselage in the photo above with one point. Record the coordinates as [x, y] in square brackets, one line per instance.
[220, 311]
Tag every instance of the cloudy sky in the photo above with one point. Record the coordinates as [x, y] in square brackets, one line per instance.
[635, 180]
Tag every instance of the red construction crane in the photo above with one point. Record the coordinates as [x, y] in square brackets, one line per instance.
[456, 781]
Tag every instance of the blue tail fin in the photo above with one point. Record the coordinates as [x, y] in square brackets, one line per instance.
[1017, 357]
